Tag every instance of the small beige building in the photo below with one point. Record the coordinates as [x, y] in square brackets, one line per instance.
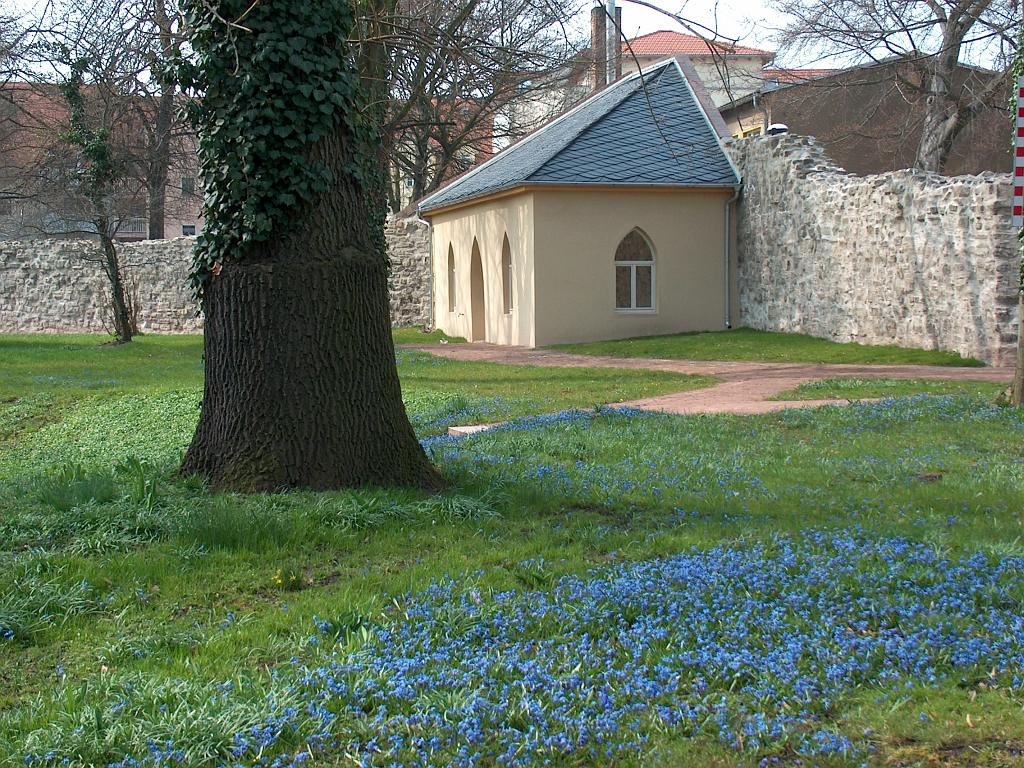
[611, 221]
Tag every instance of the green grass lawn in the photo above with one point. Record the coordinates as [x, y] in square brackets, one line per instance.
[835, 586]
[414, 335]
[763, 346]
[857, 389]
[41, 374]
[74, 365]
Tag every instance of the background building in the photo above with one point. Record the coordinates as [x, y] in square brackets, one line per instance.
[38, 168]
[869, 121]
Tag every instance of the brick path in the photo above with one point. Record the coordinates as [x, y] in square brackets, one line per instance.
[744, 386]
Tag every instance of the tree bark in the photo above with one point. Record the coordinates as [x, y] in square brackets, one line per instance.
[940, 128]
[301, 387]
[124, 328]
[941, 117]
[159, 162]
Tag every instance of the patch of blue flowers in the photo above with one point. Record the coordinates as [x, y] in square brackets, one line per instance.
[893, 411]
[618, 458]
[555, 453]
[753, 646]
[759, 647]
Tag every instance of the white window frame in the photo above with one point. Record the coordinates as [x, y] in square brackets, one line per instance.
[633, 309]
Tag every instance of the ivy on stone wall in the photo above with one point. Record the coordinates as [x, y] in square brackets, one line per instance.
[271, 79]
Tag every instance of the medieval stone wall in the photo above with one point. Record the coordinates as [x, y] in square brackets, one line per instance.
[901, 258]
[59, 286]
[410, 280]
[906, 258]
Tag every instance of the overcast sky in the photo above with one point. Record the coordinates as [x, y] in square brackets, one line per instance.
[752, 22]
[755, 24]
[749, 20]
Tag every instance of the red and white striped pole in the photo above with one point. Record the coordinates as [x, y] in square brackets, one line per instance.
[1018, 161]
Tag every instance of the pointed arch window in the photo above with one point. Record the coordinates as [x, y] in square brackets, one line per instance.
[451, 278]
[634, 273]
[507, 287]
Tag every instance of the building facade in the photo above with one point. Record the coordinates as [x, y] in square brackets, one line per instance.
[609, 222]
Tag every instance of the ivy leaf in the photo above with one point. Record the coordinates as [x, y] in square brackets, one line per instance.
[268, 97]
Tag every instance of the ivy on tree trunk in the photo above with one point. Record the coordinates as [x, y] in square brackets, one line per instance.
[301, 386]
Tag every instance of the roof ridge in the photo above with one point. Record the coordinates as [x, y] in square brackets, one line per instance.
[657, 72]
[660, 31]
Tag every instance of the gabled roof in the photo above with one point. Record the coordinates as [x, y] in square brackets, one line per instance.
[647, 129]
[668, 43]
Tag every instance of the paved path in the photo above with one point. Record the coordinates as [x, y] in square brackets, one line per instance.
[744, 386]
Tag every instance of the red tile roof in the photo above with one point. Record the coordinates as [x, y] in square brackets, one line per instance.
[795, 75]
[666, 43]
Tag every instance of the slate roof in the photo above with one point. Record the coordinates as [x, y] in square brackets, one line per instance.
[668, 43]
[647, 129]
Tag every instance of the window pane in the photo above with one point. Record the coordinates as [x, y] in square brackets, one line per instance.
[644, 286]
[622, 288]
[634, 247]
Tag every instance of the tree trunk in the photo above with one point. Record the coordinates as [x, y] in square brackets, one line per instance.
[940, 128]
[301, 385]
[156, 191]
[944, 115]
[159, 162]
[124, 328]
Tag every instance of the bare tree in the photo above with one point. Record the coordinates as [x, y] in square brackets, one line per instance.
[94, 175]
[159, 42]
[933, 37]
[135, 43]
[94, 130]
[129, 47]
[455, 68]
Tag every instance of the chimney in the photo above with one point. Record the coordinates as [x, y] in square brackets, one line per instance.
[598, 47]
[618, 42]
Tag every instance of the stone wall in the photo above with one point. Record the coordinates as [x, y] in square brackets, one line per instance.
[59, 286]
[906, 258]
[410, 278]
